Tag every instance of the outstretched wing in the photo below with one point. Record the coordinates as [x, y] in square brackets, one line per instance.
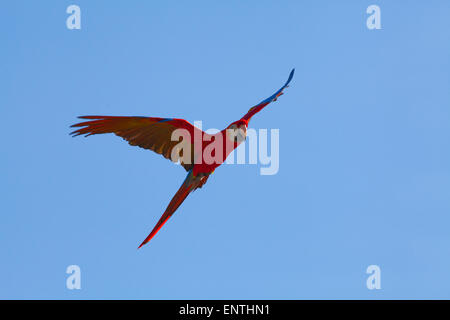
[274, 97]
[148, 133]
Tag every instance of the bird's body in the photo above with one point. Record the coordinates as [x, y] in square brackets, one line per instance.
[198, 152]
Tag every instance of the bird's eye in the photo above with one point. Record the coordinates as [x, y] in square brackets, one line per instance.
[236, 134]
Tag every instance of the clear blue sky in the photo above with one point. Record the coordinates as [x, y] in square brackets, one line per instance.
[364, 150]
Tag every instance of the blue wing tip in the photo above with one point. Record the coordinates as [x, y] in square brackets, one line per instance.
[269, 99]
[291, 75]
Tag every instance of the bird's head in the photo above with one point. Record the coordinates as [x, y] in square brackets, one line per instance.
[237, 131]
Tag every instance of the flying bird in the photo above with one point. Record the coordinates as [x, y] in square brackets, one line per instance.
[198, 152]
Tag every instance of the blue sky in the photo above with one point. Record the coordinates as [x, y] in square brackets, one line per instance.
[364, 150]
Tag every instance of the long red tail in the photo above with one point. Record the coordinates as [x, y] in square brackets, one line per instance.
[190, 184]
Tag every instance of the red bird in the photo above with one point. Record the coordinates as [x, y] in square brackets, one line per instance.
[199, 153]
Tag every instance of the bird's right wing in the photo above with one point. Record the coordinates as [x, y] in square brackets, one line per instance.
[149, 133]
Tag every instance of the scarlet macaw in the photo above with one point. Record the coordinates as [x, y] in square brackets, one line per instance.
[157, 134]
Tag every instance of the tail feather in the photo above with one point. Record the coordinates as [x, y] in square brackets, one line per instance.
[190, 184]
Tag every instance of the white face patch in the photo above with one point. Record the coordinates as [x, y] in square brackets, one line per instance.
[236, 134]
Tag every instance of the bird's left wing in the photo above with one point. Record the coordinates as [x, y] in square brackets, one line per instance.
[265, 102]
[148, 133]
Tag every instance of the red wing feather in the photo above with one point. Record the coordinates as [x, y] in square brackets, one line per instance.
[148, 133]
